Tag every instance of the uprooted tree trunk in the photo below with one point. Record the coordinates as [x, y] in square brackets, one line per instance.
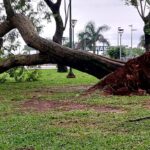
[134, 77]
[51, 52]
[130, 77]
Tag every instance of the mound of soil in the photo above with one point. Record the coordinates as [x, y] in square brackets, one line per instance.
[133, 78]
[147, 104]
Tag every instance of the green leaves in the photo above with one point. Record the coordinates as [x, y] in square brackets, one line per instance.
[147, 28]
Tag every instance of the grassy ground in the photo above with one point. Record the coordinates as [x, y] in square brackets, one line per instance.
[74, 129]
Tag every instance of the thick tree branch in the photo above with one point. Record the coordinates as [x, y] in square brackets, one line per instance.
[1, 42]
[142, 17]
[141, 6]
[50, 4]
[145, 2]
[53, 6]
[5, 27]
[24, 60]
[9, 10]
[96, 65]
[58, 3]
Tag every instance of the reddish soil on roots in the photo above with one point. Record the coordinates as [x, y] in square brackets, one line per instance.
[41, 106]
[133, 78]
[147, 104]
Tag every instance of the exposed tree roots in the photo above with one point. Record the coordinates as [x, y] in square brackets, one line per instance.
[133, 78]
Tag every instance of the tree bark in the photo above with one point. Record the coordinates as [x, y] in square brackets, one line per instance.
[147, 31]
[1, 42]
[134, 77]
[23, 60]
[58, 38]
[97, 66]
[55, 8]
[147, 35]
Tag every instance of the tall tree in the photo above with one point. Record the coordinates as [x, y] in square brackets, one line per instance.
[60, 27]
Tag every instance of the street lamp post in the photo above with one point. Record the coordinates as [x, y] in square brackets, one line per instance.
[70, 74]
[120, 32]
[131, 26]
[118, 36]
[84, 42]
[73, 21]
[70, 23]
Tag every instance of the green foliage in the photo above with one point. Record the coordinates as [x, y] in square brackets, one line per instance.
[135, 52]
[147, 28]
[3, 77]
[33, 76]
[36, 11]
[114, 52]
[21, 74]
[17, 73]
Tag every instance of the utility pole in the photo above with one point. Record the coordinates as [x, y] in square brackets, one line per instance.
[120, 32]
[70, 74]
[131, 51]
[118, 36]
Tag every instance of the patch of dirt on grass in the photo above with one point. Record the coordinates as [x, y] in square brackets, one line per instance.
[62, 89]
[41, 106]
[147, 104]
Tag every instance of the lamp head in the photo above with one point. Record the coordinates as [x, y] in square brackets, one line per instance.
[73, 22]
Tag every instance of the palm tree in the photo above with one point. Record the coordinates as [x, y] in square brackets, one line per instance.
[83, 41]
[92, 35]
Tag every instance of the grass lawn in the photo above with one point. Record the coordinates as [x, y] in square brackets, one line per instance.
[50, 114]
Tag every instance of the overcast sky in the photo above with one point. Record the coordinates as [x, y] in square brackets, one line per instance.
[110, 12]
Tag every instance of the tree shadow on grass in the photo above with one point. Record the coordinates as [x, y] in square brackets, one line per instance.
[140, 119]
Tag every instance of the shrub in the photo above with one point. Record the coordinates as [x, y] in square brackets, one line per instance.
[19, 74]
[3, 77]
[33, 75]
[114, 52]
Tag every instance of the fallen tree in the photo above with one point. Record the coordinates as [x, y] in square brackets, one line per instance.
[51, 52]
[124, 78]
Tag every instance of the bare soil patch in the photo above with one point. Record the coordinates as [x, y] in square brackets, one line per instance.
[41, 106]
[63, 89]
[147, 104]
